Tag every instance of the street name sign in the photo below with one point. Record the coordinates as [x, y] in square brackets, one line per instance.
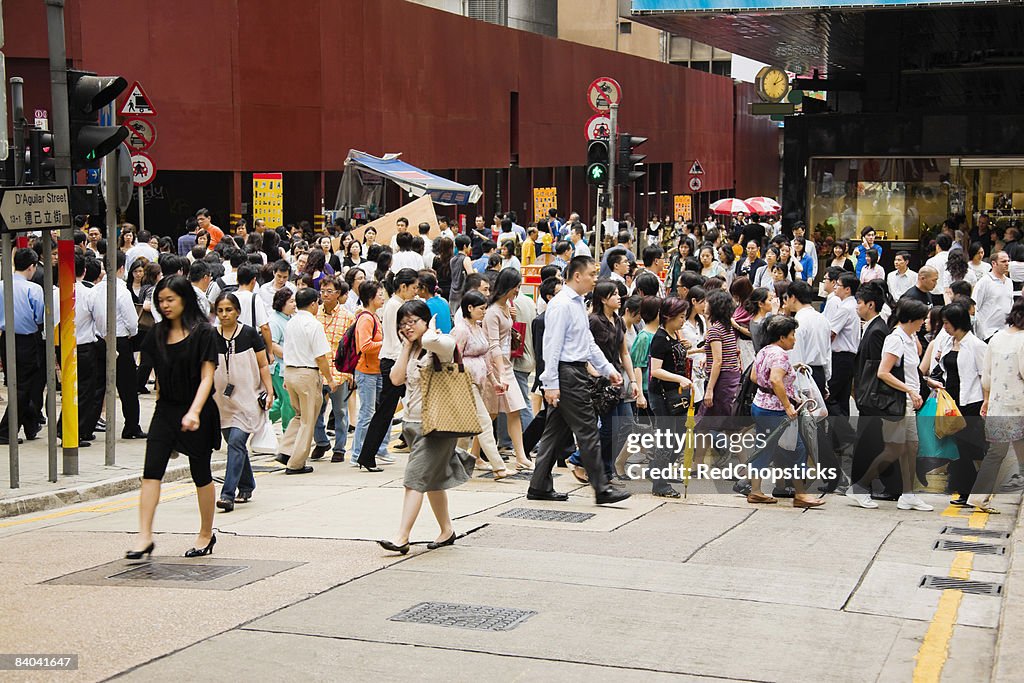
[34, 208]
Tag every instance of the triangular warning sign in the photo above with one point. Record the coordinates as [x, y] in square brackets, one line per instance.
[138, 103]
[696, 168]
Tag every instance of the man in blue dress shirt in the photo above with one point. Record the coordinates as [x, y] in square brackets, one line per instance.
[28, 342]
[568, 347]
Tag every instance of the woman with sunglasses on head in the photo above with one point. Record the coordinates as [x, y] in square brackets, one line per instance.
[434, 463]
[182, 348]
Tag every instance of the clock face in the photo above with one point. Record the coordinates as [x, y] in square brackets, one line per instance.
[775, 84]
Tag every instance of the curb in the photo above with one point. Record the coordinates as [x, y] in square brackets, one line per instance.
[1006, 660]
[38, 502]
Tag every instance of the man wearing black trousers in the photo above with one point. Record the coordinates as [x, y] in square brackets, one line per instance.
[568, 346]
[28, 348]
[126, 326]
[406, 284]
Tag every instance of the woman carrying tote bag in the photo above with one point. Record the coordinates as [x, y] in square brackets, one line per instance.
[434, 464]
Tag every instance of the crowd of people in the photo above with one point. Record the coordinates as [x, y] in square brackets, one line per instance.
[251, 326]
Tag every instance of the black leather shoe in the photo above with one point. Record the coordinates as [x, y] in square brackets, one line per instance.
[885, 496]
[433, 545]
[134, 434]
[88, 437]
[4, 441]
[319, 452]
[546, 495]
[338, 457]
[787, 492]
[281, 458]
[667, 493]
[200, 552]
[304, 470]
[388, 545]
[611, 495]
[226, 505]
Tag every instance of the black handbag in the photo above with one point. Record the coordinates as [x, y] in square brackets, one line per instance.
[605, 395]
[876, 398]
[677, 403]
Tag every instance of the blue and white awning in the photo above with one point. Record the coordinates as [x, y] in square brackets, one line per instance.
[415, 181]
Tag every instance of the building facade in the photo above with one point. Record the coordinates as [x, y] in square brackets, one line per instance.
[257, 86]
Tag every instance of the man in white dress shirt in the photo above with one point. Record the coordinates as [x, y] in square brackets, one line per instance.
[901, 278]
[993, 297]
[126, 327]
[844, 325]
[938, 262]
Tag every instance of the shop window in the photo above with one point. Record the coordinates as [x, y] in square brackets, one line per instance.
[902, 198]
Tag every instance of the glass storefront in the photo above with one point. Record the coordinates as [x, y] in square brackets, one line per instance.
[994, 185]
[901, 198]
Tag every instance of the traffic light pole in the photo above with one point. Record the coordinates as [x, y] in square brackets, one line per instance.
[613, 158]
[62, 166]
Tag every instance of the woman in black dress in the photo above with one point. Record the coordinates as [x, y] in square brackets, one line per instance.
[183, 349]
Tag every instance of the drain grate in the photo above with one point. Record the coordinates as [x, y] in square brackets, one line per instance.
[981, 533]
[547, 515]
[454, 615]
[948, 582]
[165, 571]
[971, 546]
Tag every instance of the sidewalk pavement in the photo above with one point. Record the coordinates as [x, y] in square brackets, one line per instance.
[94, 479]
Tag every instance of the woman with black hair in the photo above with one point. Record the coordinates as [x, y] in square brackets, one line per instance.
[443, 265]
[609, 331]
[242, 372]
[471, 340]
[901, 355]
[724, 372]
[761, 305]
[434, 463]
[317, 267]
[668, 379]
[775, 401]
[955, 364]
[182, 348]
[507, 397]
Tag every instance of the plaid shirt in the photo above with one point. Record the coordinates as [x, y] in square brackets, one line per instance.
[336, 324]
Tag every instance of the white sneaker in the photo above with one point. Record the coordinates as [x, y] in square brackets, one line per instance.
[910, 501]
[386, 459]
[862, 499]
[1015, 483]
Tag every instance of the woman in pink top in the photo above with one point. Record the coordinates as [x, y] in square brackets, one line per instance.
[471, 341]
[507, 397]
[871, 270]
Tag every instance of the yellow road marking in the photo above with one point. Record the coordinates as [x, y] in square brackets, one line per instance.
[171, 492]
[934, 650]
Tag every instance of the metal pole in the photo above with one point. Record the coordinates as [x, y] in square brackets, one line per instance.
[110, 195]
[48, 350]
[61, 129]
[18, 118]
[142, 211]
[613, 153]
[597, 222]
[10, 364]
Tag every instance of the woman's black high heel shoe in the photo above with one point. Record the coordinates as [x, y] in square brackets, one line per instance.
[370, 469]
[139, 554]
[199, 552]
[388, 545]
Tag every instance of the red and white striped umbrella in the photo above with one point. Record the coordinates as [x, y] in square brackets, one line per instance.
[764, 205]
[731, 205]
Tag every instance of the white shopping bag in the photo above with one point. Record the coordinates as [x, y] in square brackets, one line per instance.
[807, 390]
[265, 440]
[787, 441]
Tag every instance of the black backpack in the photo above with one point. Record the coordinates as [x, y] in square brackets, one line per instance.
[224, 287]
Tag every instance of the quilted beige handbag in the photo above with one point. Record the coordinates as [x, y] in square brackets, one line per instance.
[449, 408]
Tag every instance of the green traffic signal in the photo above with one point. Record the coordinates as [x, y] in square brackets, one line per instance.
[597, 174]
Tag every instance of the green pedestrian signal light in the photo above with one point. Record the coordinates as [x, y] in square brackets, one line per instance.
[598, 158]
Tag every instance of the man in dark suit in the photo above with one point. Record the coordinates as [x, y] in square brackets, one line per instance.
[869, 444]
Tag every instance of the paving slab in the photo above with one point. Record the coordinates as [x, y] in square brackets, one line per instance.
[968, 647]
[624, 628]
[891, 589]
[914, 544]
[668, 533]
[672, 578]
[605, 517]
[256, 655]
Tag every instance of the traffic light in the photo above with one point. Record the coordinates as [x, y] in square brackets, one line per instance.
[598, 156]
[40, 157]
[87, 95]
[625, 168]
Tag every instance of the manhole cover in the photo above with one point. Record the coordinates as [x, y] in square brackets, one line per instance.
[547, 515]
[971, 546]
[981, 533]
[948, 582]
[164, 571]
[454, 615]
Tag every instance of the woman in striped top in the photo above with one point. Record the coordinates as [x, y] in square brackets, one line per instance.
[724, 379]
